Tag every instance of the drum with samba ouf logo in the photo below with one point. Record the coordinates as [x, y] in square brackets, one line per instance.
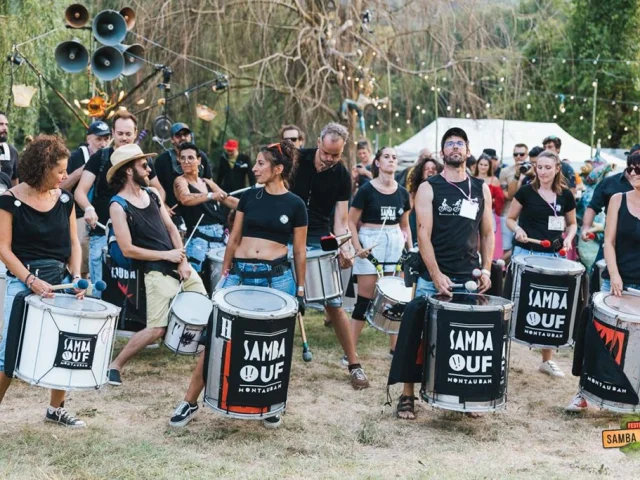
[250, 350]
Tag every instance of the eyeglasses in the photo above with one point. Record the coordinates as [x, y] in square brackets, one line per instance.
[293, 139]
[275, 145]
[188, 159]
[519, 154]
[633, 168]
[452, 144]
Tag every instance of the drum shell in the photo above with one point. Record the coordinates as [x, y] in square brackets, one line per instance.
[323, 279]
[218, 365]
[215, 258]
[453, 402]
[518, 266]
[631, 367]
[601, 265]
[376, 316]
[41, 329]
[183, 335]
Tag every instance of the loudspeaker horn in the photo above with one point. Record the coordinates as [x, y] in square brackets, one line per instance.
[109, 27]
[71, 56]
[107, 63]
[76, 15]
[133, 58]
[162, 127]
[129, 16]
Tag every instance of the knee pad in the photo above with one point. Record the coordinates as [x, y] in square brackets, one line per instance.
[360, 308]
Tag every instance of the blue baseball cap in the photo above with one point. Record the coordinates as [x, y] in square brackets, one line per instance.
[99, 129]
[179, 126]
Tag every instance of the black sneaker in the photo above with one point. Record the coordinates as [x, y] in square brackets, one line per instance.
[114, 377]
[183, 414]
[272, 422]
[60, 416]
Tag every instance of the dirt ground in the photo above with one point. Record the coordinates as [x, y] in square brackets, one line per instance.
[329, 431]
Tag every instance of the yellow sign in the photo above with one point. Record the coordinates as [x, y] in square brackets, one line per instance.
[619, 438]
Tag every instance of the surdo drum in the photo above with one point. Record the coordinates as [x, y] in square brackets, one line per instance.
[249, 355]
[466, 348]
[66, 343]
[611, 367]
[386, 309]
[323, 280]
[187, 320]
[215, 257]
[545, 295]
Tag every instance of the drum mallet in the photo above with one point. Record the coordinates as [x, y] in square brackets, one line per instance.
[307, 356]
[542, 243]
[242, 190]
[81, 284]
[471, 285]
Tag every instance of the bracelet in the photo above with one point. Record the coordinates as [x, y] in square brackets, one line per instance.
[31, 282]
[209, 195]
[76, 276]
[89, 208]
[486, 272]
[26, 280]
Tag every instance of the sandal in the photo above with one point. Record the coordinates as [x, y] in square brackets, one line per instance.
[406, 405]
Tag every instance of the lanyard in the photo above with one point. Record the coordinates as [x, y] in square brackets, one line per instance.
[468, 197]
[551, 206]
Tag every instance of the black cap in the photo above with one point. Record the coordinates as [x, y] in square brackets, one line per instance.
[633, 150]
[535, 151]
[99, 129]
[490, 152]
[454, 132]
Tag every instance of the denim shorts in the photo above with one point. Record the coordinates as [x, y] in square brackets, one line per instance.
[96, 245]
[426, 288]
[199, 247]
[284, 283]
[606, 285]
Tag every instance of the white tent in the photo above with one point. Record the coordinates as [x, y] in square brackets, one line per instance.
[489, 134]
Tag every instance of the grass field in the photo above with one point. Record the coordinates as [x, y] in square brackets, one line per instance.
[330, 431]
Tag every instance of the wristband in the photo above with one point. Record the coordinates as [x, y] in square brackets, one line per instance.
[301, 289]
[486, 272]
[89, 208]
[209, 195]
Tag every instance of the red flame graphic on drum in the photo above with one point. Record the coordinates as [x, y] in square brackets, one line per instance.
[613, 339]
[124, 289]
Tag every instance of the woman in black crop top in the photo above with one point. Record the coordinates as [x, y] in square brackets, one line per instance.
[381, 208]
[200, 196]
[266, 220]
[38, 234]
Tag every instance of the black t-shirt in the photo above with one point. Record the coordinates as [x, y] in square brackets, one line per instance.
[320, 191]
[102, 199]
[9, 160]
[40, 235]
[168, 169]
[271, 217]
[76, 161]
[239, 176]
[454, 237]
[5, 182]
[627, 241]
[377, 206]
[606, 189]
[146, 226]
[213, 212]
[534, 217]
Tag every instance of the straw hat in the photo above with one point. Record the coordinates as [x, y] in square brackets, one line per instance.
[124, 155]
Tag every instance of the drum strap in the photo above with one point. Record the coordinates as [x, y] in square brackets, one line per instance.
[274, 272]
[208, 238]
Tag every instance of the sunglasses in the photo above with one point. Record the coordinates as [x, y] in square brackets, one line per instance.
[518, 154]
[634, 168]
[293, 139]
[452, 144]
[275, 145]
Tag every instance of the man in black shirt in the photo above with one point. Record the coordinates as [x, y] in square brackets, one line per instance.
[94, 180]
[167, 165]
[8, 154]
[98, 137]
[323, 183]
[146, 234]
[234, 171]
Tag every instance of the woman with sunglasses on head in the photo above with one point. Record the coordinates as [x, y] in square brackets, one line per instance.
[200, 197]
[266, 221]
[381, 210]
[544, 210]
[483, 169]
[621, 242]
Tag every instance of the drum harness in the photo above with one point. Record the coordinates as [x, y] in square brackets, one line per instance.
[278, 267]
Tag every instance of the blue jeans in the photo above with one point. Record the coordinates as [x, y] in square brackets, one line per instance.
[284, 282]
[14, 286]
[606, 285]
[522, 251]
[96, 245]
[426, 288]
[199, 247]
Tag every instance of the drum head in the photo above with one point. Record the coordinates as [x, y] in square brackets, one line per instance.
[255, 302]
[217, 254]
[393, 287]
[193, 308]
[549, 264]
[70, 305]
[470, 302]
[626, 306]
[601, 264]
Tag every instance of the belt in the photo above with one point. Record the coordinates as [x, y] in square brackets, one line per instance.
[278, 267]
[166, 268]
[208, 238]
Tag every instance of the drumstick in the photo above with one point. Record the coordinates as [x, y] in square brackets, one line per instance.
[365, 250]
[98, 224]
[307, 356]
[542, 243]
[235, 192]
[81, 284]
[194, 230]
[470, 286]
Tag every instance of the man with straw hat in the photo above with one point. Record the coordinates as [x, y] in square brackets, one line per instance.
[146, 234]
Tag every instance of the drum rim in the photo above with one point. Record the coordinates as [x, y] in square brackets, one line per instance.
[507, 306]
[36, 301]
[231, 310]
[520, 261]
[600, 306]
[397, 280]
[214, 250]
[173, 312]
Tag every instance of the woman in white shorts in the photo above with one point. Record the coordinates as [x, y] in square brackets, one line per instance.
[380, 215]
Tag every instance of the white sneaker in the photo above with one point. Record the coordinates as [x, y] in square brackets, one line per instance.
[550, 368]
[578, 404]
[344, 362]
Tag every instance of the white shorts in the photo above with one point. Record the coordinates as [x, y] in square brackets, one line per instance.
[388, 249]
